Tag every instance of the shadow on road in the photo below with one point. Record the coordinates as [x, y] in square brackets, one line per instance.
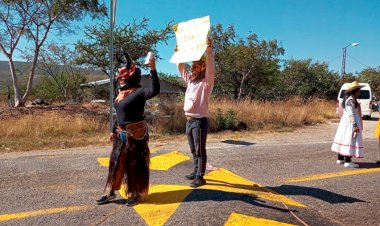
[199, 194]
[373, 118]
[238, 142]
[368, 165]
[317, 193]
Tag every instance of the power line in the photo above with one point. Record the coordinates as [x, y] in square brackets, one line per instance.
[329, 61]
[358, 61]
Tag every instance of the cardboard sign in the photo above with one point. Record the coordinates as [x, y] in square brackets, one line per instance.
[191, 39]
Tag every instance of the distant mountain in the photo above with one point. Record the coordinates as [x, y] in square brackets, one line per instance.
[5, 74]
[22, 69]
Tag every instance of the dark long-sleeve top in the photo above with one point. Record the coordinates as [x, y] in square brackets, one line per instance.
[131, 108]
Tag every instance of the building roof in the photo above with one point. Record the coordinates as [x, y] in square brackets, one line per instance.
[146, 81]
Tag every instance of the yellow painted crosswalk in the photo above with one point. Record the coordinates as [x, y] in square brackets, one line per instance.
[163, 199]
[331, 175]
[160, 162]
[33, 213]
[224, 180]
[161, 203]
[167, 161]
[236, 219]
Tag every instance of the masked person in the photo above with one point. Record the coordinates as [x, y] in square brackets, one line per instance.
[129, 161]
[348, 141]
[200, 82]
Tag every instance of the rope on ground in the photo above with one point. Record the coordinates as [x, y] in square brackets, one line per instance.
[291, 211]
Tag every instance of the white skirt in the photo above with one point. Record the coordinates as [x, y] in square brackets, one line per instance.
[344, 143]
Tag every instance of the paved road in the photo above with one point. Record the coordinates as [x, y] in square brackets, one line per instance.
[281, 179]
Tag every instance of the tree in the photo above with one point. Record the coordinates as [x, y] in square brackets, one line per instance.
[244, 65]
[135, 38]
[371, 76]
[306, 79]
[33, 21]
[349, 77]
[58, 63]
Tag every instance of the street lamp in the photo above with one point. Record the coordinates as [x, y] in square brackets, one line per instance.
[344, 59]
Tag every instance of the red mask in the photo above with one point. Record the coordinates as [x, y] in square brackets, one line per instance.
[124, 73]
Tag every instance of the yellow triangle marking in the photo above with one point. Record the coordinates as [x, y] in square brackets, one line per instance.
[224, 180]
[244, 220]
[104, 161]
[161, 203]
[167, 161]
[160, 162]
[331, 175]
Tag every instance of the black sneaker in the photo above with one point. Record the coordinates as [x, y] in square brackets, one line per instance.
[191, 176]
[133, 201]
[199, 181]
[104, 199]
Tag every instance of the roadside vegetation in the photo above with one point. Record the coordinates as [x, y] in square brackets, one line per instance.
[87, 125]
[255, 88]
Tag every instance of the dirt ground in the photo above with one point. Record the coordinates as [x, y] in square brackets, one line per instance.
[90, 109]
[310, 134]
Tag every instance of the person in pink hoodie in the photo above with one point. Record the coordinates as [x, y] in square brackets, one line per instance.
[200, 82]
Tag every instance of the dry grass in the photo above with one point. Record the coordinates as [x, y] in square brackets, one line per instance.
[72, 128]
[253, 114]
[276, 115]
[51, 130]
[49, 125]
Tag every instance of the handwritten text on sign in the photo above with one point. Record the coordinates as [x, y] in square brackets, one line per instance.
[191, 39]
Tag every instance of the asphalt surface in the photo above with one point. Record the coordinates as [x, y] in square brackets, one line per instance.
[252, 183]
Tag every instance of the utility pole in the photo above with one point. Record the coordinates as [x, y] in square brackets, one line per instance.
[112, 23]
[343, 72]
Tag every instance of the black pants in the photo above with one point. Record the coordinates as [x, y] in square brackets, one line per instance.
[346, 158]
[196, 131]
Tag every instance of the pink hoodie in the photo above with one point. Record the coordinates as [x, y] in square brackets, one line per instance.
[198, 94]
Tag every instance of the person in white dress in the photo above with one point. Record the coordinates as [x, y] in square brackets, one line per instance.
[348, 141]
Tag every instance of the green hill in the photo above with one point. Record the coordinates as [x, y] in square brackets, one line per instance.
[22, 69]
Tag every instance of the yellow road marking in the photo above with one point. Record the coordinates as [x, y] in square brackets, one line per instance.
[224, 180]
[243, 220]
[167, 161]
[331, 175]
[33, 213]
[160, 162]
[163, 200]
[161, 203]
[104, 161]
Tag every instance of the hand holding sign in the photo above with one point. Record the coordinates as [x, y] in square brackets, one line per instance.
[191, 36]
[209, 42]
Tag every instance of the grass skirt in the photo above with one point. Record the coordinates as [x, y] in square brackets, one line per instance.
[129, 165]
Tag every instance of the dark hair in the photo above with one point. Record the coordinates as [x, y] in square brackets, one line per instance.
[346, 97]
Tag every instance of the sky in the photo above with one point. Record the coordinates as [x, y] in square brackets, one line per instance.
[316, 29]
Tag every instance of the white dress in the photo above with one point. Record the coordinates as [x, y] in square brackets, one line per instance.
[344, 143]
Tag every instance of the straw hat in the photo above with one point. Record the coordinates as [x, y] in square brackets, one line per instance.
[353, 86]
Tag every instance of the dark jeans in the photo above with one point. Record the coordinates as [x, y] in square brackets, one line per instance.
[346, 158]
[196, 131]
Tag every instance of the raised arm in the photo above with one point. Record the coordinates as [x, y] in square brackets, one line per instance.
[182, 69]
[210, 63]
[150, 93]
